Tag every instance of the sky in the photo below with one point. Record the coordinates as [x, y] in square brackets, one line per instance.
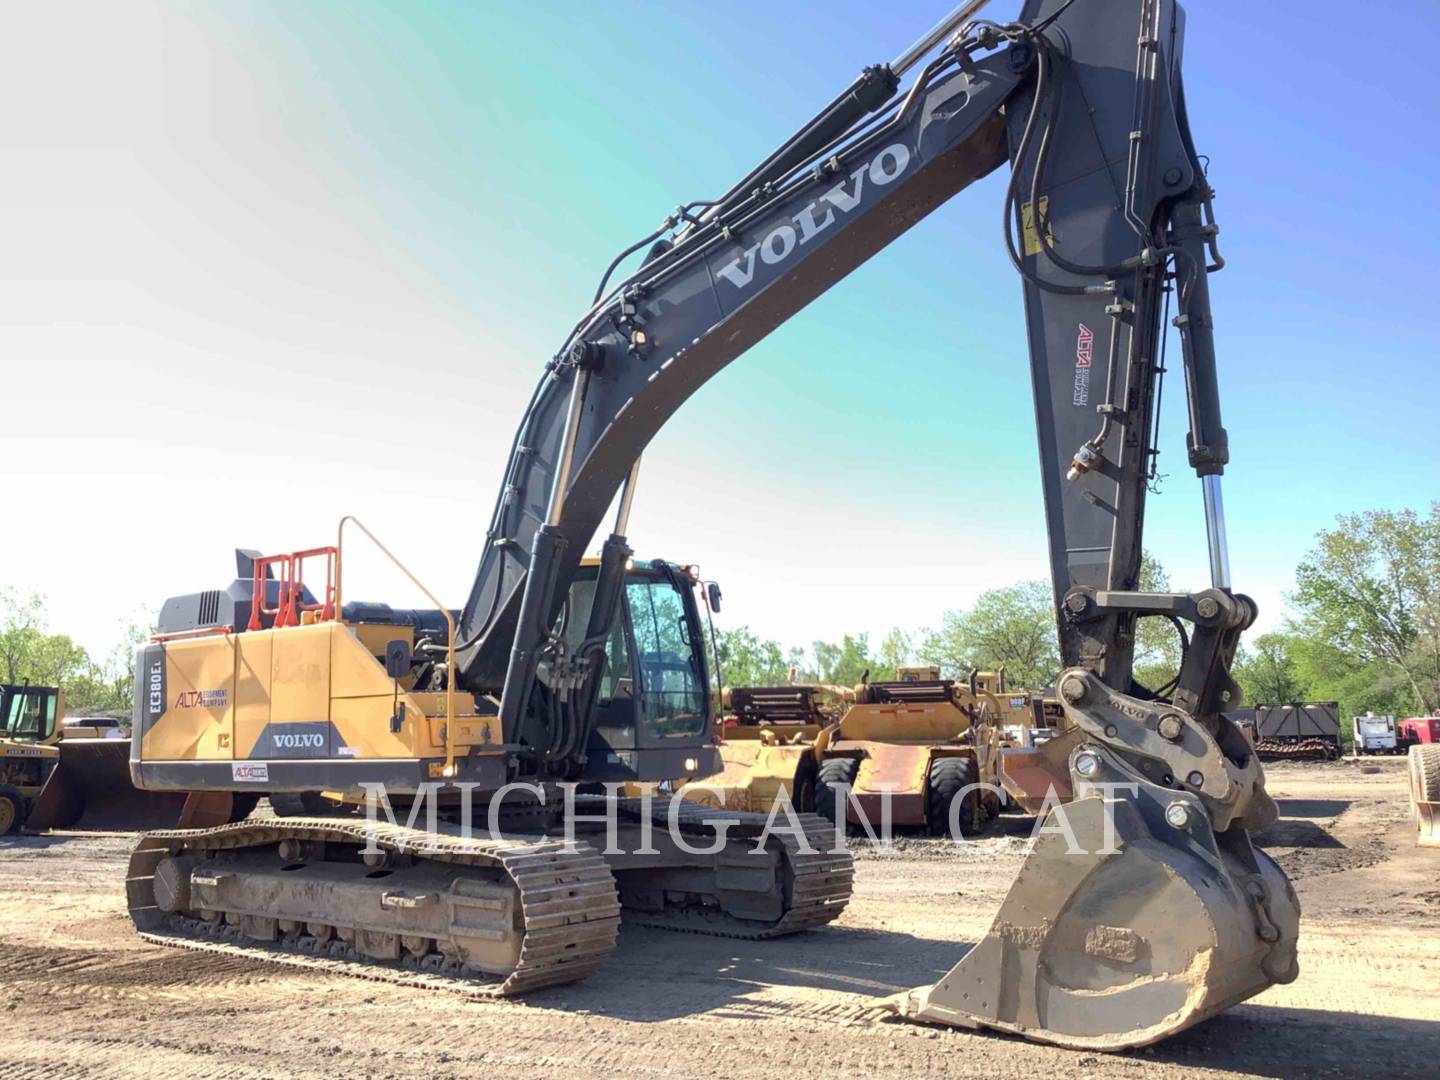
[265, 264]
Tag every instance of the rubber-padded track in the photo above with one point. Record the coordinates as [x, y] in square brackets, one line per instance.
[822, 878]
[567, 899]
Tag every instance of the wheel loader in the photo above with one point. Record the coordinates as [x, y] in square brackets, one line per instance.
[59, 773]
[1143, 907]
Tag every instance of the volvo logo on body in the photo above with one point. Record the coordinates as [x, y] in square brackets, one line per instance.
[312, 741]
[782, 241]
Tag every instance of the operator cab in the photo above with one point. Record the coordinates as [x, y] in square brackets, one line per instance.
[653, 712]
[27, 713]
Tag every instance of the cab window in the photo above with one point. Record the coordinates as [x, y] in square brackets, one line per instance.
[615, 681]
[31, 714]
[671, 684]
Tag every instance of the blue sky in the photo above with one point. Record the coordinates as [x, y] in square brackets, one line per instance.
[272, 263]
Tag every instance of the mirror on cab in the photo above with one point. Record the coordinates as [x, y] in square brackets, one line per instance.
[397, 659]
[712, 596]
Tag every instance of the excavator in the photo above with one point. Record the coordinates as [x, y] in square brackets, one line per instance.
[1143, 906]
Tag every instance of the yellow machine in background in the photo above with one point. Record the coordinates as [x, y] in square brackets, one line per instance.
[29, 731]
[908, 748]
[767, 737]
[916, 742]
[59, 772]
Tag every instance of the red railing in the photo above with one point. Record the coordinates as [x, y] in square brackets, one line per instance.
[290, 602]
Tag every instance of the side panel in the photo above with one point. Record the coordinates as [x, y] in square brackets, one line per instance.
[266, 694]
[197, 695]
[364, 699]
[300, 675]
[283, 678]
[252, 689]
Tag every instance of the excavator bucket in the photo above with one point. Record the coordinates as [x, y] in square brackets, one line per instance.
[1133, 916]
[1425, 792]
[90, 788]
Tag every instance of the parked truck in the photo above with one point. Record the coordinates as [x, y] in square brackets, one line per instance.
[1421, 730]
[1375, 735]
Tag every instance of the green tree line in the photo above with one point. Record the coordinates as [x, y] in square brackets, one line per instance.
[1011, 627]
[1362, 628]
[29, 651]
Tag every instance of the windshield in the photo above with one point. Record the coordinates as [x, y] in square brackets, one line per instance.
[617, 656]
[31, 714]
[671, 676]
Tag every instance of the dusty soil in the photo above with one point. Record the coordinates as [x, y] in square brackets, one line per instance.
[81, 996]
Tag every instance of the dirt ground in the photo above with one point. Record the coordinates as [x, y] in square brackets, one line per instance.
[81, 996]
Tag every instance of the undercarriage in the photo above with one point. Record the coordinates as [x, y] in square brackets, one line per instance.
[484, 915]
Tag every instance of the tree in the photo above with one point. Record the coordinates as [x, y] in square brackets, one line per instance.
[894, 653]
[850, 662]
[1011, 627]
[1157, 642]
[1268, 672]
[946, 646]
[746, 660]
[28, 651]
[1371, 587]
[109, 686]
[19, 627]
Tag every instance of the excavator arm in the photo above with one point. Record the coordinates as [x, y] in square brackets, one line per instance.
[1153, 909]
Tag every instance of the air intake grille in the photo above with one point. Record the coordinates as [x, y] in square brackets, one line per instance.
[209, 608]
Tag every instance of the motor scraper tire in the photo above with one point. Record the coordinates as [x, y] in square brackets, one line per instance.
[835, 773]
[802, 795]
[12, 809]
[241, 806]
[301, 804]
[949, 776]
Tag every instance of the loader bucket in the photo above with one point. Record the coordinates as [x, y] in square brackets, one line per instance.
[1425, 792]
[90, 788]
[1114, 940]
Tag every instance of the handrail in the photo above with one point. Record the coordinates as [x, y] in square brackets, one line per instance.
[199, 631]
[449, 770]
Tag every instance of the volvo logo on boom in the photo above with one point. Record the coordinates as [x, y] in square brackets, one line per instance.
[781, 241]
